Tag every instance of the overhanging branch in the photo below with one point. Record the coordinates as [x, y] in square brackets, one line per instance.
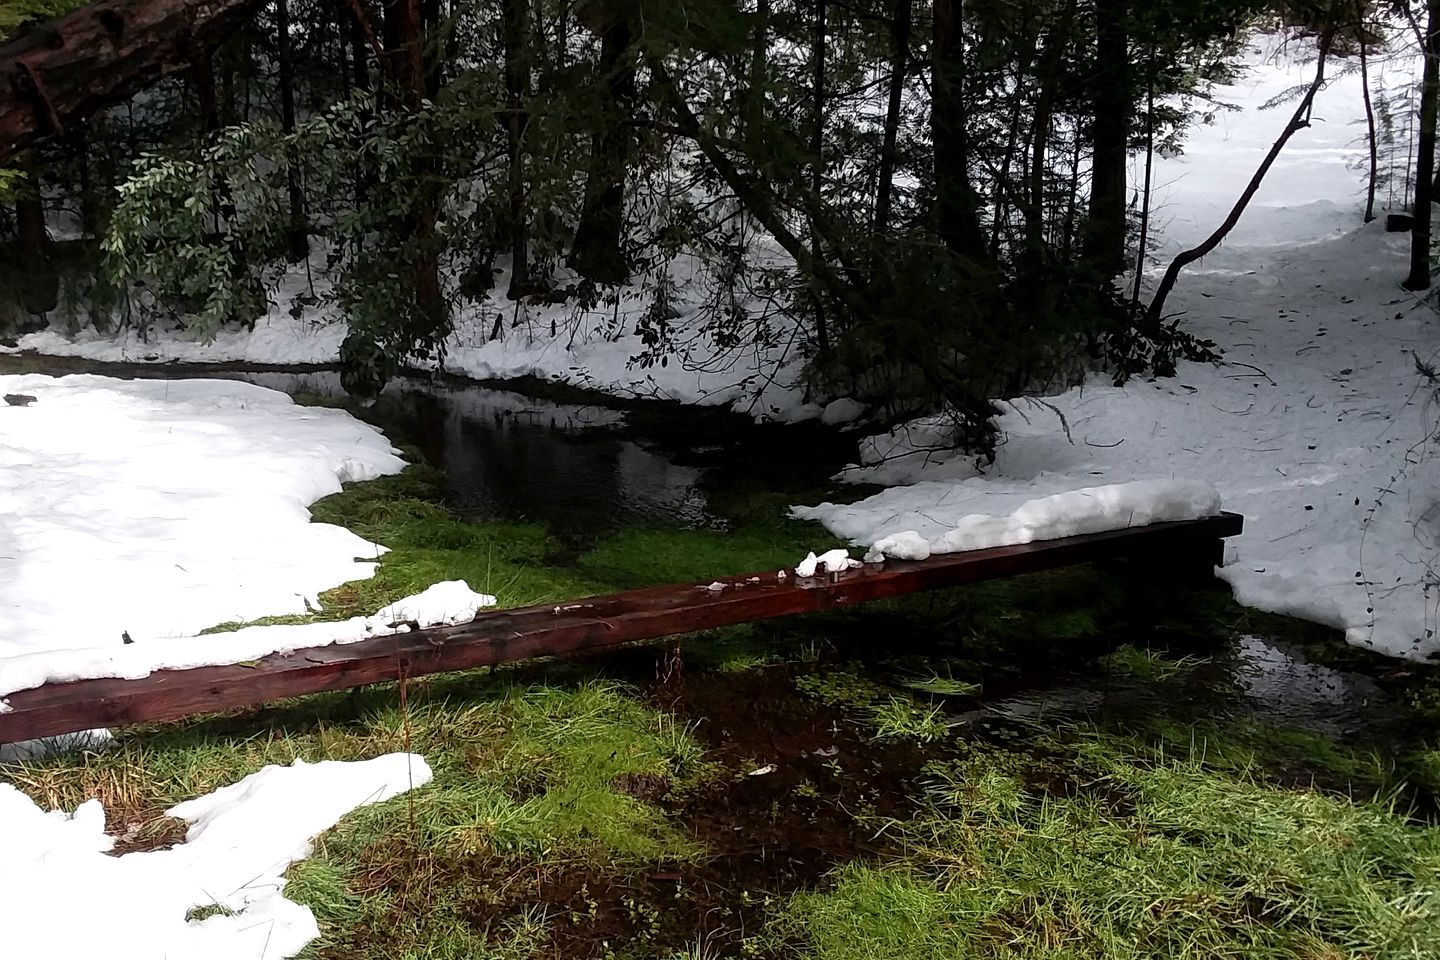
[69, 68]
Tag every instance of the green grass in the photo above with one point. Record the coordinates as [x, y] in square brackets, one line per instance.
[890, 714]
[1143, 663]
[522, 564]
[1135, 856]
[634, 558]
[1241, 746]
[524, 775]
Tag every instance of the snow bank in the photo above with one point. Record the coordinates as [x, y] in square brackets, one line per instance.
[561, 342]
[65, 898]
[1317, 427]
[159, 508]
[912, 523]
[444, 603]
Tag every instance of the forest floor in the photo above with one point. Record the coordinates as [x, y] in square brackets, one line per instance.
[1082, 764]
[1079, 764]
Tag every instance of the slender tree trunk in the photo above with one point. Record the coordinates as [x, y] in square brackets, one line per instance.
[434, 56]
[818, 55]
[203, 72]
[1105, 238]
[516, 15]
[1369, 131]
[759, 74]
[1298, 121]
[757, 200]
[342, 53]
[1012, 139]
[357, 54]
[39, 284]
[598, 249]
[899, 66]
[297, 245]
[1140, 253]
[1052, 52]
[404, 52]
[1419, 278]
[89, 209]
[1072, 198]
[957, 204]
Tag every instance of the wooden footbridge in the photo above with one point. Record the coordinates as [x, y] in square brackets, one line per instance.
[1180, 549]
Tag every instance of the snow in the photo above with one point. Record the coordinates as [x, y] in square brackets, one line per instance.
[67, 898]
[831, 561]
[443, 603]
[915, 522]
[156, 509]
[1317, 427]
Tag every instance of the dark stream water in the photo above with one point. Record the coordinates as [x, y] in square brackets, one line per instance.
[583, 470]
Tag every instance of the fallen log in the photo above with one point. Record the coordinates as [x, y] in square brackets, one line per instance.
[1181, 548]
[66, 69]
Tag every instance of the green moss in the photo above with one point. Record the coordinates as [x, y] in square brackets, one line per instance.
[633, 558]
[15, 12]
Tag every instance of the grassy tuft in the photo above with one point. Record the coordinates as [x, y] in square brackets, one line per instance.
[1143, 663]
[1137, 857]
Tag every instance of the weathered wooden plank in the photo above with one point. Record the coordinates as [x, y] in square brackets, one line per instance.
[581, 626]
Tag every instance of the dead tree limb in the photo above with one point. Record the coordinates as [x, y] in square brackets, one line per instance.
[67, 69]
[1298, 121]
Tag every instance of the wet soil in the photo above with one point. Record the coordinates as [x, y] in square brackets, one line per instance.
[785, 817]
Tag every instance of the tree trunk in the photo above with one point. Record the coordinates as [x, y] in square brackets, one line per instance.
[516, 17]
[434, 54]
[89, 208]
[899, 65]
[1052, 54]
[39, 283]
[597, 251]
[1140, 253]
[1298, 121]
[203, 73]
[1419, 278]
[73, 66]
[1369, 131]
[404, 50]
[758, 202]
[817, 165]
[357, 54]
[957, 203]
[759, 73]
[297, 245]
[1105, 237]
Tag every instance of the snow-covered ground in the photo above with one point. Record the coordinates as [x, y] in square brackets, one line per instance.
[1317, 427]
[220, 895]
[589, 348]
[155, 509]
[440, 604]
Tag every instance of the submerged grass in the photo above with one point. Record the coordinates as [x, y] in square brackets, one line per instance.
[1135, 856]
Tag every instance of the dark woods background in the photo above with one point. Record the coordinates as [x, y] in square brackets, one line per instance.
[938, 193]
